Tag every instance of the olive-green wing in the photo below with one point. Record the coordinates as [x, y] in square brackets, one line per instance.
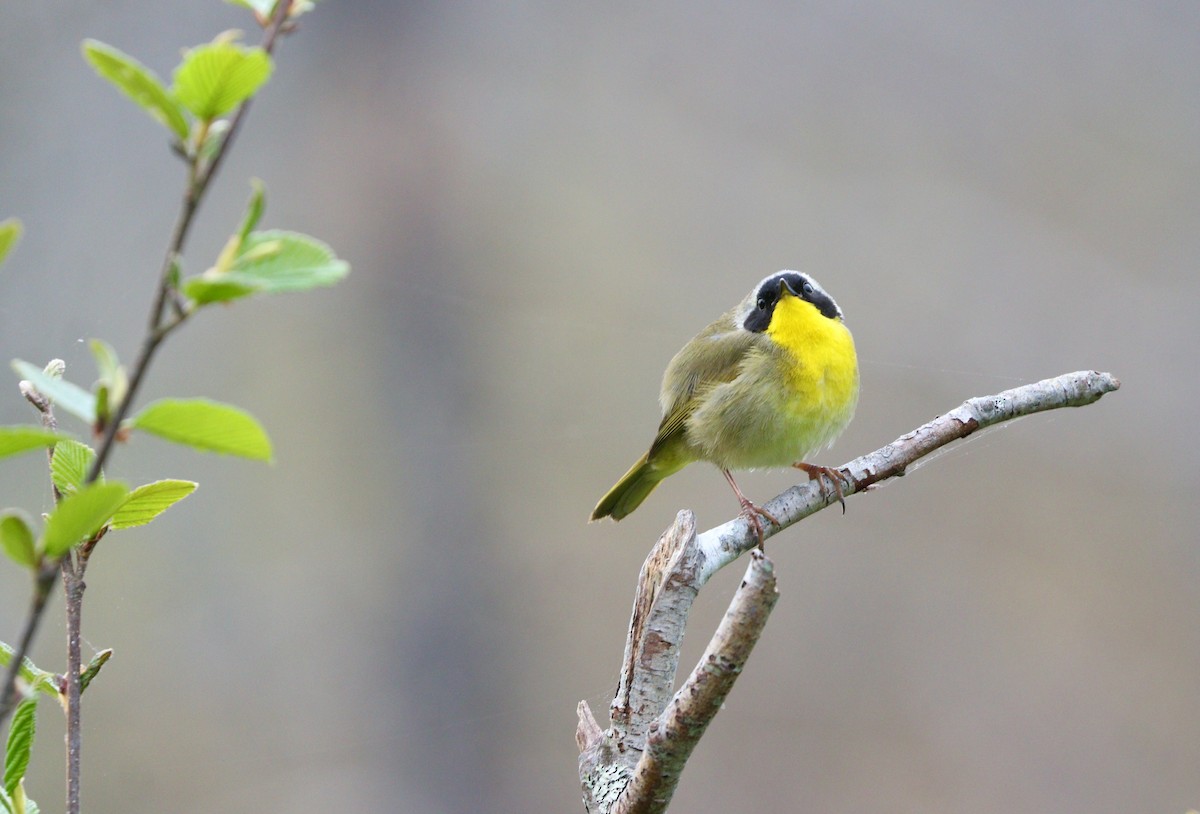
[713, 357]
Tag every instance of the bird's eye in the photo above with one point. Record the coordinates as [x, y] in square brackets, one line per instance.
[808, 289]
[762, 304]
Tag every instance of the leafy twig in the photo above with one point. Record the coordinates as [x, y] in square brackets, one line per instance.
[204, 109]
[199, 177]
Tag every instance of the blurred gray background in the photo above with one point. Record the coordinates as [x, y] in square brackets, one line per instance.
[541, 203]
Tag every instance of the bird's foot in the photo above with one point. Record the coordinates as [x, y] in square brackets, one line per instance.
[752, 513]
[749, 511]
[835, 477]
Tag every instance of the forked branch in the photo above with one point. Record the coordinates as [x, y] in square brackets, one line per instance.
[635, 764]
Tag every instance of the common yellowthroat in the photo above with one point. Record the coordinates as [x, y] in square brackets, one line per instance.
[769, 383]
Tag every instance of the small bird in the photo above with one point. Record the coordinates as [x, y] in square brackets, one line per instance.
[766, 385]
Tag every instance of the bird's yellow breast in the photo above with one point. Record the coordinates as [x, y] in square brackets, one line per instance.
[823, 369]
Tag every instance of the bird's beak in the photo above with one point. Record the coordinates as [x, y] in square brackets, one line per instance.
[784, 287]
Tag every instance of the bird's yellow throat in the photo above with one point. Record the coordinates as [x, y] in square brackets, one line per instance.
[822, 347]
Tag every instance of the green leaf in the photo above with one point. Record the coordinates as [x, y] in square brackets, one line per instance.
[36, 678]
[20, 744]
[114, 382]
[15, 440]
[205, 425]
[137, 82]
[80, 515]
[215, 78]
[112, 372]
[102, 404]
[16, 537]
[174, 271]
[106, 358]
[10, 233]
[70, 464]
[71, 397]
[254, 209]
[278, 261]
[204, 290]
[150, 500]
[269, 262]
[93, 668]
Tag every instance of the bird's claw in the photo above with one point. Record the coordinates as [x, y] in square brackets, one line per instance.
[835, 477]
[752, 513]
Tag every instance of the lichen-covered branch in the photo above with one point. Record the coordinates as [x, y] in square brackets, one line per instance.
[635, 764]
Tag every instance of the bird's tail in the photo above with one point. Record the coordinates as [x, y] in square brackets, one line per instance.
[632, 489]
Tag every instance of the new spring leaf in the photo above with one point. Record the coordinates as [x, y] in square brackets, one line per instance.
[149, 501]
[70, 464]
[205, 425]
[215, 78]
[15, 440]
[17, 538]
[80, 515]
[270, 262]
[278, 261]
[37, 678]
[137, 82]
[20, 744]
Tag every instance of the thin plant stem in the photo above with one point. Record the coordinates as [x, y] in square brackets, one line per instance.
[42, 587]
[73, 587]
[47, 574]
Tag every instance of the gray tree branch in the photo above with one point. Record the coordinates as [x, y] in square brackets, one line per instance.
[672, 737]
[635, 764]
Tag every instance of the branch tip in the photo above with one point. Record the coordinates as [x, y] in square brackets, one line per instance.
[33, 395]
